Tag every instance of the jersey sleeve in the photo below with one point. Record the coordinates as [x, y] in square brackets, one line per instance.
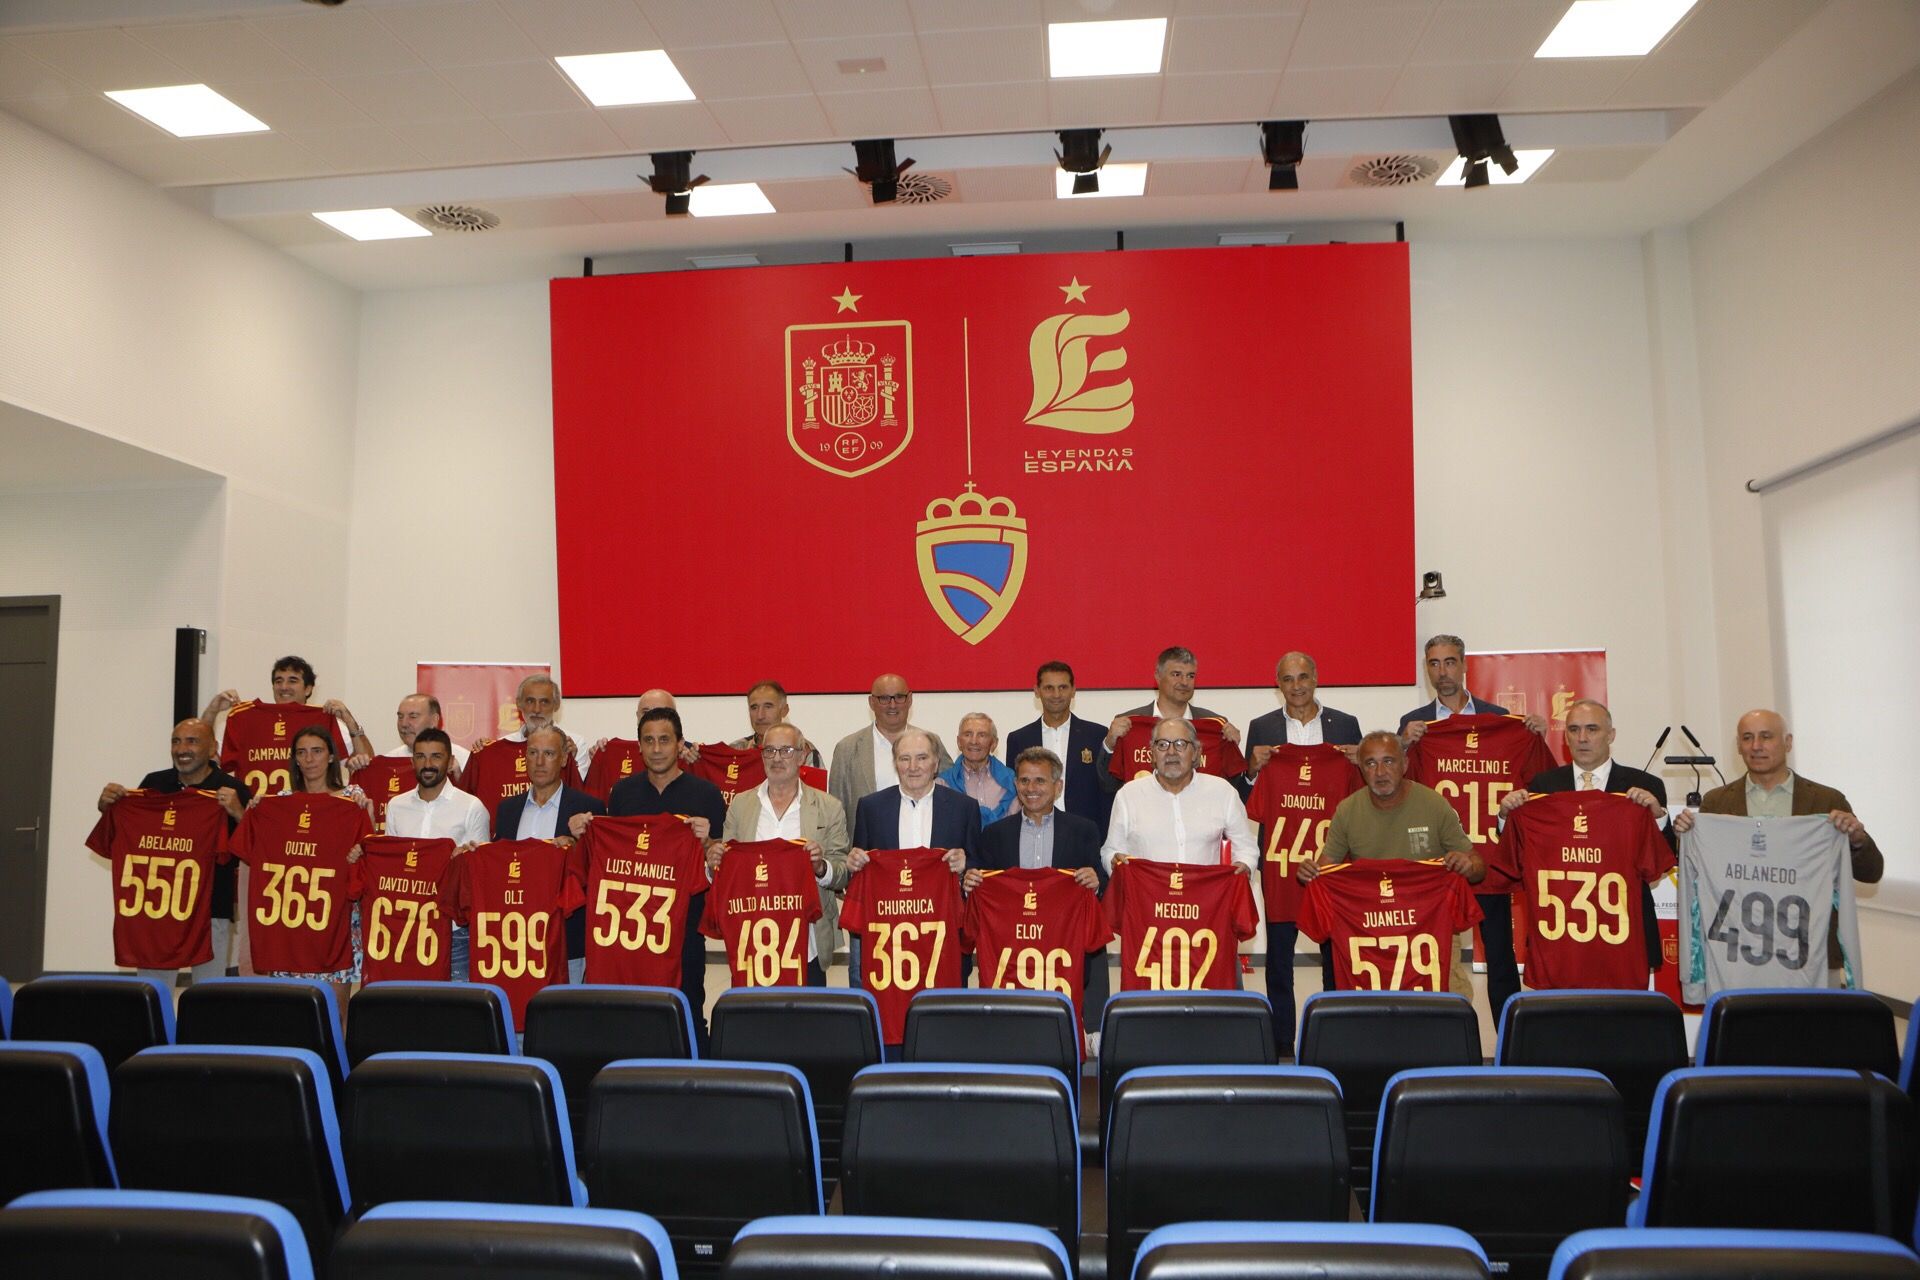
[1502, 857]
[1246, 915]
[340, 743]
[853, 908]
[1655, 857]
[1114, 905]
[1539, 757]
[1098, 931]
[456, 890]
[1465, 903]
[241, 846]
[1312, 917]
[573, 888]
[713, 917]
[100, 839]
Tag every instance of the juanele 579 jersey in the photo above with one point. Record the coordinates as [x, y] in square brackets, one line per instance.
[257, 747]
[1134, 756]
[1032, 929]
[732, 769]
[1390, 921]
[163, 847]
[905, 905]
[764, 897]
[383, 778]
[640, 873]
[1178, 924]
[1474, 761]
[407, 933]
[513, 894]
[1580, 858]
[500, 770]
[615, 762]
[302, 887]
[1293, 801]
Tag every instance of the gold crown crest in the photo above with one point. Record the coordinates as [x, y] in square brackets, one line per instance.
[848, 351]
[972, 508]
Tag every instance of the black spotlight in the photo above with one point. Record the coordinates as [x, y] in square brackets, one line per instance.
[1480, 139]
[875, 166]
[1282, 145]
[672, 178]
[1082, 155]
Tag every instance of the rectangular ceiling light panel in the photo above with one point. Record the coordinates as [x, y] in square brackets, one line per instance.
[626, 79]
[373, 224]
[1530, 162]
[729, 199]
[1115, 180]
[188, 110]
[1130, 47]
[1612, 28]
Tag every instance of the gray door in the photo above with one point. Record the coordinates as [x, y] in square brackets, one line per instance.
[29, 639]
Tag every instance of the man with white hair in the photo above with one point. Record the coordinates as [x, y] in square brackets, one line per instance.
[978, 772]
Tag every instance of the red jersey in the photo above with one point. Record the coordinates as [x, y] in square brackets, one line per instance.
[302, 887]
[1580, 858]
[383, 778]
[732, 769]
[617, 761]
[640, 873]
[407, 932]
[1133, 758]
[1474, 761]
[513, 895]
[905, 905]
[163, 847]
[1178, 923]
[764, 897]
[815, 778]
[1032, 930]
[1390, 921]
[1293, 801]
[257, 747]
[500, 770]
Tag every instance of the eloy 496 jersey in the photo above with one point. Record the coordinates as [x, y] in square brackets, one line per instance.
[1758, 898]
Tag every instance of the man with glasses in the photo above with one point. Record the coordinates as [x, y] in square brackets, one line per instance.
[863, 760]
[1178, 814]
[784, 807]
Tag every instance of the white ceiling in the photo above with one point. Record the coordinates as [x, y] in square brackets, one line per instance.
[408, 102]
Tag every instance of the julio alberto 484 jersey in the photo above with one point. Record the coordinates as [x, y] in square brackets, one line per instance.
[512, 894]
[1032, 929]
[905, 905]
[1580, 858]
[640, 874]
[1293, 801]
[301, 888]
[1134, 756]
[257, 747]
[1178, 924]
[764, 897]
[407, 931]
[163, 848]
[1758, 899]
[1390, 921]
[1474, 761]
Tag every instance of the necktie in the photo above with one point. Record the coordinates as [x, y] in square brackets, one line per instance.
[1586, 780]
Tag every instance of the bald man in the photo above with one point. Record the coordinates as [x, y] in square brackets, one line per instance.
[651, 699]
[863, 760]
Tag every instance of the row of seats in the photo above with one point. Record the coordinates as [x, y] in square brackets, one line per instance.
[148, 1234]
[1518, 1157]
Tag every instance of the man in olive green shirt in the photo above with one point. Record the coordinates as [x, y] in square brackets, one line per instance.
[1397, 818]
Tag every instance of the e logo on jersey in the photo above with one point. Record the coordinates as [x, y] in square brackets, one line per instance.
[1386, 889]
[760, 873]
[306, 820]
[641, 841]
[1176, 882]
[413, 859]
[169, 817]
[1580, 822]
[850, 397]
[1031, 903]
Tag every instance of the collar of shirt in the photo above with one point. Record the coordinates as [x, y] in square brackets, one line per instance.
[1601, 772]
[1770, 802]
[1442, 711]
[772, 826]
[1186, 712]
[1305, 733]
[916, 821]
[540, 821]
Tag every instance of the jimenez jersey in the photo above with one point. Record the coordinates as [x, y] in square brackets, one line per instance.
[406, 930]
[1758, 900]
[383, 778]
[1133, 758]
[1390, 922]
[1032, 929]
[1179, 924]
[617, 761]
[1293, 801]
[764, 897]
[1474, 761]
[302, 887]
[1579, 859]
[732, 769]
[163, 847]
[905, 907]
[500, 771]
[257, 747]
[513, 895]
[639, 873]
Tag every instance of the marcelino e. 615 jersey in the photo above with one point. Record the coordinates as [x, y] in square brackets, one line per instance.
[383, 778]
[301, 889]
[1178, 924]
[163, 847]
[406, 933]
[1580, 858]
[764, 897]
[257, 747]
[1759, 898]
[614, 762]
[732, 769]
[1390, 921]
[1134, 756]
[905, 906]
[640, 873]
[513, 895]
[1474, 761]
[1293, 801]
[1032, 929]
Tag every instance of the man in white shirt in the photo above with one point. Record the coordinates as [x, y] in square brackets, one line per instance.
[1176, 813]
[538, 701]
[1301, 721]
[863, 760]
[785, 808]
[436, 810]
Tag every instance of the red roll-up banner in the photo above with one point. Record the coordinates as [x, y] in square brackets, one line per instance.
[959, 468]
[1541, 682]
[477, 699]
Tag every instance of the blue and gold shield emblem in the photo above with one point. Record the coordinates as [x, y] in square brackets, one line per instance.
[972, 553]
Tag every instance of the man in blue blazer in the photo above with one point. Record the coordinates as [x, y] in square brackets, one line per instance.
[543, 812]
[1077, 742]
[1297, 677]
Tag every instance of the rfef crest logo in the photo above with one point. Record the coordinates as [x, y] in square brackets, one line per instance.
[850, 393]
[972, 553]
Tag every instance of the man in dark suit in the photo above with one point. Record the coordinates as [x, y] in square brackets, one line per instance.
[1590, 734]
[1077, 742]
[545, 811]
[1039, 835]
[914, 814]
[1175, 673]
[1301, 720]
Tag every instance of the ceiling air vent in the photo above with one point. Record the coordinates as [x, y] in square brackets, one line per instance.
[923, 188]
[1392, 171]
[457, 217]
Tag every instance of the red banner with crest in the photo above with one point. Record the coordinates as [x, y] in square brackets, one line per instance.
[1542, 682]
[959, 468]
[477, 699]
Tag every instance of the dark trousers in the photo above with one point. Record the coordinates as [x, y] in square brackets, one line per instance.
[1496, 932]
[1093, 995]
[816, 976]
[693, 970]
[1281, 935]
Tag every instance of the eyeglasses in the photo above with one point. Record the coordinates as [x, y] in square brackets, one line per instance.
[779, 753]
[1173, 744]
[891, 698]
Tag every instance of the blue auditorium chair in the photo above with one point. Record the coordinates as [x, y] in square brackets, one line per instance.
[1016, 1028]
[1309, 1251]
[6, 1009]
[1907, 1078]
[808, 1248]
[53, 1117]
[428, 1017]
[409, 1239]
[828, 1034]
[1678, 1253]
[1846, 1030]
[118, 1014]
[281, 1013]
[166, 1235]
[1182, 1029]
[580, 1029]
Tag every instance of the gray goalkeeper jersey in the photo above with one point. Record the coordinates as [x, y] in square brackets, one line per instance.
[1758, 897]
